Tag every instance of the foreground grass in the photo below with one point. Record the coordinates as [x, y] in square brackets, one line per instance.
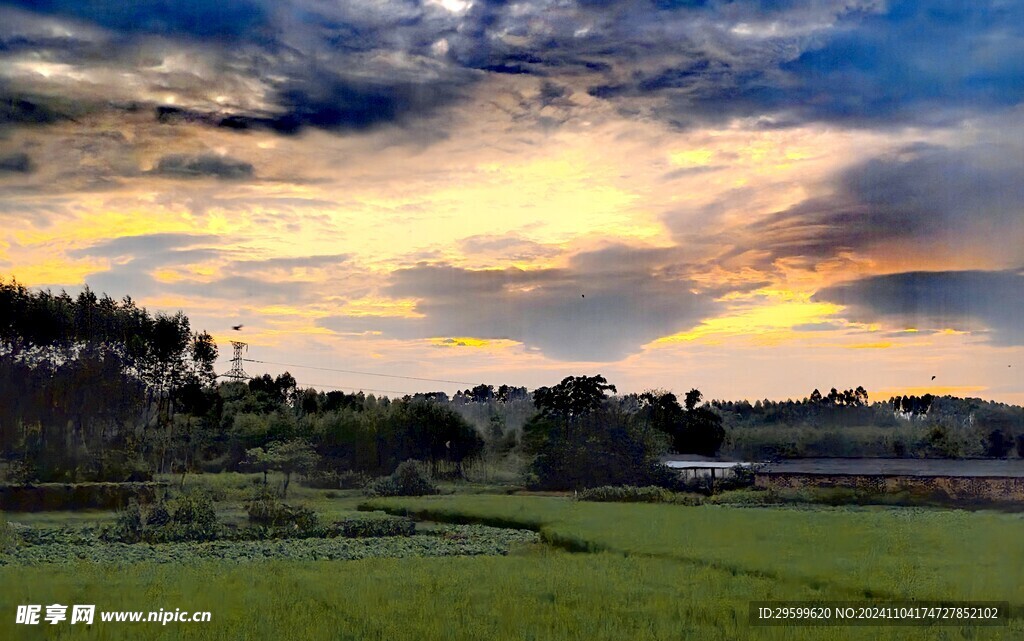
[653, 572]
[851, 552]
[534, 595]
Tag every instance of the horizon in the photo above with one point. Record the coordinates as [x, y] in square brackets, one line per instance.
[752, 199]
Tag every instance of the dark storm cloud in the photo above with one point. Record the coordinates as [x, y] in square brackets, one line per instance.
[16, 109]
[283, 66]
[971, 300]
[344, 104]
[203, 165]
[16, 163]
[918, 197]
[926, 63]
[192, 18]
[357, 65]
[604, 306]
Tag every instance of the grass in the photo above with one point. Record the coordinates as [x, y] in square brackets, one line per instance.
[855, 552]
[651, 571]
[535, 596]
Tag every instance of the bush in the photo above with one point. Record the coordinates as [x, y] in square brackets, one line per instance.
[742, 476]
[9, 538]
[128, 526]
[334, 480]
[410, 479]
[356, 526]
[374, 526]
[626, 494]
[158, 516]
[267, 511]
[192, 518]
[76, 496]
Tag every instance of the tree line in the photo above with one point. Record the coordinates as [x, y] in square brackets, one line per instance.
[93, 388]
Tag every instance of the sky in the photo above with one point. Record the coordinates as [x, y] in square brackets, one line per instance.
[756, 198]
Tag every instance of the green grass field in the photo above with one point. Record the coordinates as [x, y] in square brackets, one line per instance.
[651, 572]
[530, 596]
[919, 553]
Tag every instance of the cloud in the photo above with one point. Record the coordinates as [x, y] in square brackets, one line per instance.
[144, 245]
[916, 198]
[16, 163]
[604, 306]
[18, 110]
[508, 248]
[195, 18]
[345, 104]
[991, 301]
[357, 65]
[860, 66]
[289, 263]
[203, 166]
[244, 290]
[238, 64]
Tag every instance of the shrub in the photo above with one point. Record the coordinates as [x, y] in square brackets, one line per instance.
[158, 516]
[267, 511]
[410, 479]
[334, 480]
[128, 526]
[626, 494]
[192, 518]
[322, 480]
[9, 538]
[373, 526]
[76, 496]
[742, 476]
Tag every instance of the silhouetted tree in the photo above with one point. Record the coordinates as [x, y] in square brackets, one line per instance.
[573, 397]
[998, 444]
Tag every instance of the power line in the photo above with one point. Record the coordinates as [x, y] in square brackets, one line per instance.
[351, 389]
[349, 371]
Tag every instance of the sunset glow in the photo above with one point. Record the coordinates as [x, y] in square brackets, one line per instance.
[511, 194]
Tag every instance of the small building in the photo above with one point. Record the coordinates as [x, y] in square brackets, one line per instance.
[951, 479]
[692, 466]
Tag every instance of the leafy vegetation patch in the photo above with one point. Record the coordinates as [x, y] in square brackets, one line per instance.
[68, 546]
[633, 494]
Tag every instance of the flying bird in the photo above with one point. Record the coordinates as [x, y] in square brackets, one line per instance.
[237, 328]
[583, 295]
[933, 378]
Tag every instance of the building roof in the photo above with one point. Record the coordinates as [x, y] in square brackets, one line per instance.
[700, 462]
[1012, 468]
